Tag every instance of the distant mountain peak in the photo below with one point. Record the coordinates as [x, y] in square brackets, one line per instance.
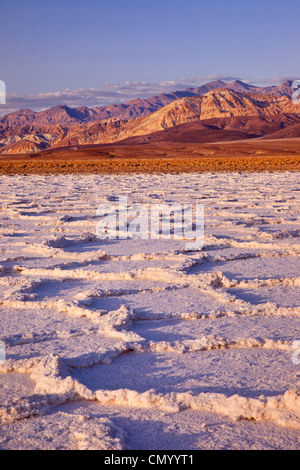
[62, 124]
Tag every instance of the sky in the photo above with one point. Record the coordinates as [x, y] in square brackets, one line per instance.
[96, 52]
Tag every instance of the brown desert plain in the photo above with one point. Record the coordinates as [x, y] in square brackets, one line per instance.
[245, 155]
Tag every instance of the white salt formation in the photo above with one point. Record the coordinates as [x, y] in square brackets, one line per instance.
[140, 344]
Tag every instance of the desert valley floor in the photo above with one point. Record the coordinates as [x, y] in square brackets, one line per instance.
[140, 344]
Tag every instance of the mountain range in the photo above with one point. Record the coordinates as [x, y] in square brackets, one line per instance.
[216, 111]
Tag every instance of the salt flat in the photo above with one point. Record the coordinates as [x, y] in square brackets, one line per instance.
[140, 344]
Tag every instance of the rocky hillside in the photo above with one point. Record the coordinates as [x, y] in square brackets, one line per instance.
[64, 115]
[220, 103]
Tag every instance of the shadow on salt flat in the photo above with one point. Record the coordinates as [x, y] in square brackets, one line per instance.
[15, 385]
[189, 430]
[245, 372]
[233, 328]
[251, 268]
[284, 296]
[168, 302]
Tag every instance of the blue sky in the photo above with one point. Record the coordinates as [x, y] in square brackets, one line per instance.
[122, 49]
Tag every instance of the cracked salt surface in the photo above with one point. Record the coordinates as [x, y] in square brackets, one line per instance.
[138, 344]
